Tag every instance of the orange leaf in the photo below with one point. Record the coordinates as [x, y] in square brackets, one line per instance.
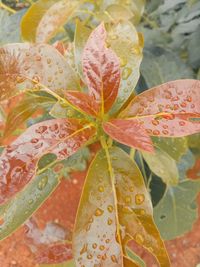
[130, 133]
[83, 102]
[101, 68]
[18, 162]
[167, 110]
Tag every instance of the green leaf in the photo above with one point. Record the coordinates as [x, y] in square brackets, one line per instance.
[162, 165]
[175, 147]
[81, 36]
[124, 40]
[32, 18]
[176, 212]
[24, 110]
[14, 213]
[163, 67]
[136, 258]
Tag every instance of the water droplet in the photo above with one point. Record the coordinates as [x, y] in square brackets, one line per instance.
[89, 256]
[176, 107]
[155, 122]
[114, 259]
[156, 132]
[189, 99]
[142, 211]
[41, 129]
[94, 245]
[43, 183]
[34, 140]
[165, 132]
[182, 123]
[165, 126]
[128, 199]
[139, 239]
[110, 221]
[175, 98]
[48, 61]
[30, 201]
[110, 208]
[113, 37]
[38, 58]
[101, 247]
[131, 188]
[98, 212]
[84, 249]
[123, 62]
[183, 104]
[107, 241]
[101, 189]
[139, 199]
[126, 73]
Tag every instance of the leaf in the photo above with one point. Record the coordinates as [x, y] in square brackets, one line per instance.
[135, 257]
[194, 57]
[54, 18]
[92, 243]
[129, 133]
[80, 39]
[158, 68]
[67, 264]
[119, 12]
[134, 207]
[174, 147]
[24, 110]
[175, 214]
[167, 110]
[83, 102]
[125, 42]
[101, 69]
[10, 26]
[21, 207]
[62, 137]
[32, 66]
[32, 18]
[163, 166]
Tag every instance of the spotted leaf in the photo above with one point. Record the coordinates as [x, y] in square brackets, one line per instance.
[134, 207]
[131, 133]
[168, 109]
[62, 137]
[32, 66]
[94, 240]
[101, 69]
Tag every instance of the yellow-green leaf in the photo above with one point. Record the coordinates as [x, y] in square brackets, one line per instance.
[32, 18]
[134, 207]
[119, 12]
[54, 18]
[177, 211]
[126, 43]
[162, 165]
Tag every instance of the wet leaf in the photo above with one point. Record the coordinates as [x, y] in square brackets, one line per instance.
[175, 147]
[163, 166]
[81, 36]
[24, 110]
[101, 69]
[54, 18]
[83, 102]
[33, 16]
[175, 213]
[94, 241]
[32, 66]
[128, 132]
[134, 207]
[21, 207]
[125, 42]
[62, 137]
[167, 110]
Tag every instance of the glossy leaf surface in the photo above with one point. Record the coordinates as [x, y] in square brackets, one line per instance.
[83, 102]
[28, 66]
[125, 42]
[62, 137]
[101, 69]
[163, 166]
[32, 18]
[134, 206]
[128, 132]
[55, 17]
[20, 208]
[177, 210]
[166, 110]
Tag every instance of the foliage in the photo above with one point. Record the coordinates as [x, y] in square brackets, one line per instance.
[73, 85]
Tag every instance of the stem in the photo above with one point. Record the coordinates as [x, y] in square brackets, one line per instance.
[9, 9]
[143, 168]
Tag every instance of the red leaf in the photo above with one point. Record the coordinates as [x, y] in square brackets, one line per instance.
[166, 110]
[101, 69]
[84, 102]
[63, 137]
[129, 132]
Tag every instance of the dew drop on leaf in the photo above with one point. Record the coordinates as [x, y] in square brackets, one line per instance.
[126, 73]
[131, 188]
[114, 259]
[123, 62]
[128, 199]
[110, 221]
[101, 189]
[43, 183]
[139, 199]
[182, 123]
[98, 212]
[110, 208]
